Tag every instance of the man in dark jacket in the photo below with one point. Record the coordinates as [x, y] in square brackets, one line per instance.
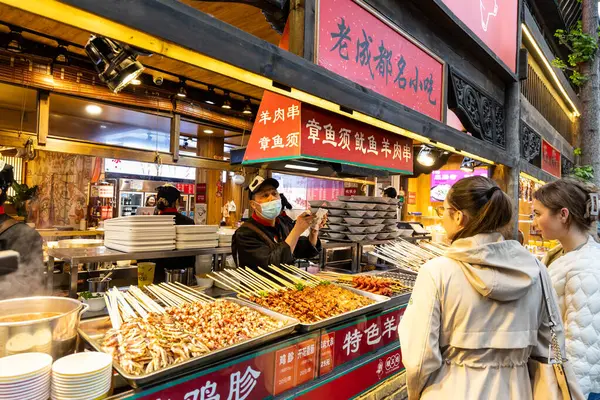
[29, 279]
[264, 239]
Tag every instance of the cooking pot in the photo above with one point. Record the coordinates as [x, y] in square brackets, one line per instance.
[51, 327]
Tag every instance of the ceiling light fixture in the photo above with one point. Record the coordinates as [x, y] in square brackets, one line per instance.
[102, 126]
[62, 55]
[426, 156]
[209, 131]
[247, 108]
[182, 92]
[15, 41]
[210, 98]
[226, 103]
[301, 167]
[469, 165]
[115, 63]
[136, 82]
[93, 109]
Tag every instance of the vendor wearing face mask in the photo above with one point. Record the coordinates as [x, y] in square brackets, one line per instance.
[264, 240]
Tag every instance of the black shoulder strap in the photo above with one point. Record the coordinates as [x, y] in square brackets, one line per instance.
[6, 225]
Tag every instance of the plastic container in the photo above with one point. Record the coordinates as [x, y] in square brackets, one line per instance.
[145, 273]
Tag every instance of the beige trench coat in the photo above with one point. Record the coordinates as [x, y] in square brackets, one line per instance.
[469, 329]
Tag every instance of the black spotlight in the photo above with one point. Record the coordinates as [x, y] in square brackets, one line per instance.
[115, 64]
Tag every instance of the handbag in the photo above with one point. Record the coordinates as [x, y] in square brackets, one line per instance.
[552, 378]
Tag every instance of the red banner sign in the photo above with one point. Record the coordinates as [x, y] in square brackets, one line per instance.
[331, 137]
[324, 189]
[358, 44]
[495, 22]
[361, 338]
[356, 381]
[322, 135]
[350, 191]
[244, 380]
[185, 188]
[550, 159]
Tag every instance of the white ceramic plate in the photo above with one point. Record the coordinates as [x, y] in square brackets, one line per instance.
[21, 366]
[82, 364]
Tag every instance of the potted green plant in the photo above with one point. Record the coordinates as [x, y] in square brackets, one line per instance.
[23, 194]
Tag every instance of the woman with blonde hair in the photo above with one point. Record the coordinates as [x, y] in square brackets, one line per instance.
[477, 315]
[567, 210]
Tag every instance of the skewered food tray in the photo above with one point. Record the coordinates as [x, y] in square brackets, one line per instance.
[159, 346]
[291, 291]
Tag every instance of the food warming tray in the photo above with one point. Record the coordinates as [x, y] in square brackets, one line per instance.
[378, 305]
[93, 330]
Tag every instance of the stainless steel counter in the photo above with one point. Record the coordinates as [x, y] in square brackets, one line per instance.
[102, 254]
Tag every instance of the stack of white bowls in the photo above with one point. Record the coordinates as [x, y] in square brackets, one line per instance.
[25, 376]
[82, 376]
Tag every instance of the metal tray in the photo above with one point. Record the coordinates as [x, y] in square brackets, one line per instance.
[378, 305]
[93, 330]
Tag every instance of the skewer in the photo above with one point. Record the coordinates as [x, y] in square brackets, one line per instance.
[245, 280]
[233, 283]
[114, 303]
[135, 304]
[182, 290]
[185, 297]
[145, 300]
[195, 292]
[269, 282]
[178, 301]
[283, 281]
[293, 278]
[238, 291]
[301, 272]
[113, 321]
[159, 295]
[255, 279]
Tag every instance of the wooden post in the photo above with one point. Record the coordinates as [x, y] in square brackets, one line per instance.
[175, 132]
[296, 19]
[43, 116]
[309, 29]
[210, 147]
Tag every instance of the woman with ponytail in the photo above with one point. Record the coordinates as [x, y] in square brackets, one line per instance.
[476, 315]
[567, 210]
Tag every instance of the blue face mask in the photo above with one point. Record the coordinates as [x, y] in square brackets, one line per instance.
[270, 209]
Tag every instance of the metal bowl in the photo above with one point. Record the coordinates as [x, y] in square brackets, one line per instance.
[54, 334]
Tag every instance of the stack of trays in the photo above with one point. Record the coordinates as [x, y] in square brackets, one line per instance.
[140, 233]
[197, 237]
[25, 376]
[359, 218]
[225, 237]
[80, 376]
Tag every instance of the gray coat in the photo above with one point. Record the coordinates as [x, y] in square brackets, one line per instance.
[29, 279]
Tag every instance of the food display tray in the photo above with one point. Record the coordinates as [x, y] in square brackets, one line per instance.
[93, 330]
[378, 305]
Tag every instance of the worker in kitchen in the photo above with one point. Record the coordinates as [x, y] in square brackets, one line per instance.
[28, 279]
[264, 239]
[167, 203]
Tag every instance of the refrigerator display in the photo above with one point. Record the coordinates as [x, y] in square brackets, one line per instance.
[129, 202]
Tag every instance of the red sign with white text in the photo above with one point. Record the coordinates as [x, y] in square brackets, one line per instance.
[285, 369]
[248, 379]
[331, 137]
[361, 338]
[309, 132]
[326, 363]
[354, 43]
[276, 131]
[351, 383]
[306, 360]
[201, 193]
[550, 159]
[350, 191]
[495, 22]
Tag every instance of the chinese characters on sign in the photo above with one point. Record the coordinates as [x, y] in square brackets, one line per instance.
[356, 340]
[328, 136]
[295, 365]
[356, 44]
[550, 159]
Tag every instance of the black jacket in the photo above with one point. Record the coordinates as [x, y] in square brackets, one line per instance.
[174, 262]
[29, 279]
[251, 250]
